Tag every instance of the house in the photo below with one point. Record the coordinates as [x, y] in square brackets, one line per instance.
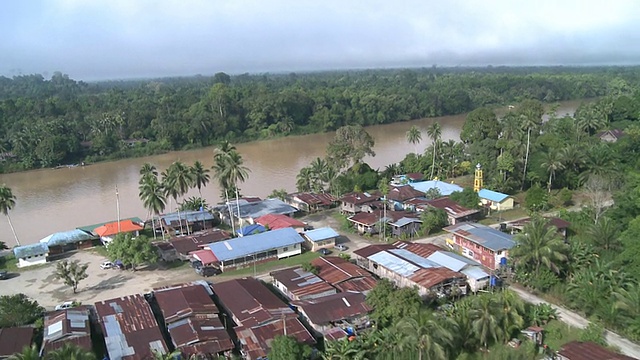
[343, 275]
[398, 195]
[352, 203]
[561, 225]
[279, 221]
[245, 212]
[184, 245]
[344, 310]
[477, 277]
[33, 254]
[482, 243]
[108, 231]
[193, 319]
[406, 226]
[495, 200]
[247, 250]
[298, 284]
[91, 228]
[311, 202]
[369, 223]
[445, 189]
[322, 238]
[61, 242]
[251, 229]
[258, 316]
[455, 212]
[406, 269]
[576, 350]
[205, 256]
[398, 180]
[67, 326]
[611, 135]
[191, 221]
[129, 328]
[14, 339]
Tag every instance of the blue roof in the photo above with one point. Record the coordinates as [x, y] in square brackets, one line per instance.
[251, 229]
[404, 221]
[394, 263]
[256, 209]
[492, 195]
[447, 261]
[414, 258]
[189, 216]
[253, 244]
[30, 250]
[321, 234]
[444, 188]
[475, 272]
[483, 235]
[68, 237]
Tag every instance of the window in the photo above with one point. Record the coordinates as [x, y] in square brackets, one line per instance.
[285, 249]
[471, 253]
[500, 252]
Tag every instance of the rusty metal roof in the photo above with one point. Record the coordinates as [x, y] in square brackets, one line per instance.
[403, 193]
[186, 244]
[302, 283]
[367, 251]
[359, 198]
[431, 277]
[184, 301]
[333, 308]
[13, 339]
[451, 207]
[195, 335]
[130, 329]
[70, 325]
[576, 350]
[423, 250]
[343, 274]
[256, 341]
[314, 199]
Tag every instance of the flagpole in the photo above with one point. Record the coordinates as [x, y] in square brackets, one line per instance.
[118, 206]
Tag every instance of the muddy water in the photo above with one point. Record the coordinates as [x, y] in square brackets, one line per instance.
[51, 200]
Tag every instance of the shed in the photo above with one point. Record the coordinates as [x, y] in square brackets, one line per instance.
[68, 240]
[495, 200]
[322, 238]
[33, 254]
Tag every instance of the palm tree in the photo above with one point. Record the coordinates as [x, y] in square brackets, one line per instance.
[229, 170]
[530, 120]
[304, 180]
[435, 133]
[414, 136]
[157, 355]
[511, 313]
[154, 199]
[70, 351]
[340, 350]
[426, 333]
[485, 321]
[200, 176]
[465, 335]
[628, 301]
[604, 234]
[551, 164]
[146, 171]
[27, 353]
[7, 202]
[177, 181]
[539, 245]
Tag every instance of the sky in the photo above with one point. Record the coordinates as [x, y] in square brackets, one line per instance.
[119, 39]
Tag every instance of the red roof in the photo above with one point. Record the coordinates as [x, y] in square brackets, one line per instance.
[403, 193]
[343, 274]
[278, 221]
[77, 332]
[334, 308]
[423, 250]
[359, 198]
[256, 341]
[111, 229]
[576, 350]
[315, 199]
[186, 244]
[197, 335]
[206, 256]
[302, 284]
[185, 301]
[431, 277]
[13, 339]
[367, 251]
[451, 207]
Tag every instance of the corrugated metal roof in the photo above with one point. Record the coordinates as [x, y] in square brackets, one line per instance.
[30, 250]
[576, 350]
[205, 256]
[254, 210]
[188, 216]
[475, 272]
[333, 308]
[90, 228]
[14, 339]
[302, 283]
[70, 325]
[67, 237]
[444, 188]
[492, 195]
[252, 244]
[415, 259]
[279, 221]
[405, 221]
[483, 235]
[321, 234]
[394, 263]
[431, 277]
[443, 259]
[251, 230]
[194, 335]
[184, 301]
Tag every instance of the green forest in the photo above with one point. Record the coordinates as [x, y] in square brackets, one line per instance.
[57, 121]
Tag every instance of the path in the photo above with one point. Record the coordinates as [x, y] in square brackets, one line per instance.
[626, 347]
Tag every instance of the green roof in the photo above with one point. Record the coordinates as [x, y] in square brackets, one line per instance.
[90, 228]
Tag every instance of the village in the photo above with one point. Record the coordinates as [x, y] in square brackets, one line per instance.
[198, 312]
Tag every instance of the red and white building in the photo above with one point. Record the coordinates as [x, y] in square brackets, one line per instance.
[486, 245]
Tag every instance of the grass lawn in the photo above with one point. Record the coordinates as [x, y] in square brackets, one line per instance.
[272, 265]
[557, 333]
[9, 263]
[507, 215]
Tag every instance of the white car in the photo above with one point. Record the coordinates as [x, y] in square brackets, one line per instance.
[106, 265]
[64, 305]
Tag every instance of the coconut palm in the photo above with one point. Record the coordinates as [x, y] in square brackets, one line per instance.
[552, 163]
[70, 351]
[465, 335]
[229, 170]
[604, 234]
[628, 301]
[426, 333]
[539, 245]
[157, 355]
[7, 202]
[177, 181]
[340, 350]
[414, 136]
[485, 320]
[511, 313]
[530, 119]
[153, 198]
[146, 171]
[200, 176]
[435, 133]
[304, 180]
[27, 353]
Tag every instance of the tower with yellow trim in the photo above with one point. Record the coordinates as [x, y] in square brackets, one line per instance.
[477, 180]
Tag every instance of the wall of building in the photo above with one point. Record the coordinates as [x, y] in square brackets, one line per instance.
[476, 252]
[33, 260]
[287, 251]
[317, 245]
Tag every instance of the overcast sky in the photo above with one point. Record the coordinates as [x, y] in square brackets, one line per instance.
[109, 39]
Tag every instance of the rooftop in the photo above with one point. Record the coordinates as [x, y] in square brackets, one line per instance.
[314, 199]
[130, 329]
[359, 198]
[403, 193]
[251, 229]
[30, 250]
[186, 216]
[256, 341]
[344, 275]
[205, 256]
[252, 244]
[576, 350]
[90, 228]
[334, 308]
[492, 195]
[278, 221]
[302, 283]
[321, 234]
[444, 188]
[451, 207]
[186, 244]
[200, 335]
[256, 209]
[184, 301]
[67, 237]
[70, 325]
[111, 229]
[431, 277]
[13, 339]
[482, 235]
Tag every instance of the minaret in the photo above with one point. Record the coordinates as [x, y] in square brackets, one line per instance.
[477, 180]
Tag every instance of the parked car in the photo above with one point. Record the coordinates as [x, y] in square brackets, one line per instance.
[196, 264]
[107, 265]
[207, 271]
[65, 305]
[323, 251]
[341, 247]
[3, 274]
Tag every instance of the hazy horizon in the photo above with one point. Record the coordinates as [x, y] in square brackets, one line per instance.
[124, 40]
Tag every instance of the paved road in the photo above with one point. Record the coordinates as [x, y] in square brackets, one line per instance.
[626, 347]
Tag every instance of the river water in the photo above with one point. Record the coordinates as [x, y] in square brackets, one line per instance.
[52, 200]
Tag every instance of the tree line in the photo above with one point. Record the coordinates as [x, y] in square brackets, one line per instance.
[48, 122]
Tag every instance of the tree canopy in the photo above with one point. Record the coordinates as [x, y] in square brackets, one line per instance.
[132, 250]
[18, 310]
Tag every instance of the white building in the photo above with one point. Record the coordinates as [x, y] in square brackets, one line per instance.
[34, 254]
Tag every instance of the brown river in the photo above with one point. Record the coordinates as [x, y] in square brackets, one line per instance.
[52, 200]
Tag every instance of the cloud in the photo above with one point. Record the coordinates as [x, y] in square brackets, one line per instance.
[118, 38]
